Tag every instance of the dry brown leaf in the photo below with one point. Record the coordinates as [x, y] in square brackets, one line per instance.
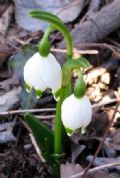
[10, 99]
[101, 174]
[5, 20]
[5, 52]
[7, 84]
[67, 170]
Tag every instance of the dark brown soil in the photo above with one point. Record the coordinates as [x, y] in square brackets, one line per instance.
[19, 159]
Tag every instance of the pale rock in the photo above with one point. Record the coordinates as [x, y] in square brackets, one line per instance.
[67, 10]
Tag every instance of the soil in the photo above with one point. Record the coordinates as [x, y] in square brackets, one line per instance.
[19, 159]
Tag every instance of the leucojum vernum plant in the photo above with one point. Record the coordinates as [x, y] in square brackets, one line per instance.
[73, 110]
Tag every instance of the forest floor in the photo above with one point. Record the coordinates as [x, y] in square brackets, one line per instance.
[18, 156]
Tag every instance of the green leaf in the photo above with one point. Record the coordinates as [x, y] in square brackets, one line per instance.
[54, 163]
[42, 133]
[44, 137]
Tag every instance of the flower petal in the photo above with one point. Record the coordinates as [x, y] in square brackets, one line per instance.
[76, 112]
[33, 70]
[52, 75]
[86, 111]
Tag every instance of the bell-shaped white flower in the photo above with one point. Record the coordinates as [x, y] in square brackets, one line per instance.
[42, 72]
[76, 113]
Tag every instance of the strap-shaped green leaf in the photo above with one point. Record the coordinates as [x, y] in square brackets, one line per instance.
[57, 23]
[44, 136]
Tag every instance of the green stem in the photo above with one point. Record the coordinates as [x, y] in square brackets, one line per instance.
[44, 45]
[69, 45]
[57, 24]
[58, 123]
[48, 31]
[67, 37]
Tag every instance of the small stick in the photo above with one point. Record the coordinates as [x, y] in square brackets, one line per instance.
[26, 110]
[52, 109]
[97, 169]
[100, 45]
[105, 103]
[47, 117]
[36, 147]
[75, 51]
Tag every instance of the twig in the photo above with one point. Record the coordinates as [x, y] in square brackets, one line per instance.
[26, 110]
[6, 19]
[45, 117]
[97, 169]
[105, 103]
[36, 147]
[113, 42]
[101, 144]
[100, 45]
[52, 109]
[76, 51]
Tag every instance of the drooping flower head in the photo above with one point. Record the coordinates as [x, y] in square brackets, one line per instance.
[42, 72]
[76, 113]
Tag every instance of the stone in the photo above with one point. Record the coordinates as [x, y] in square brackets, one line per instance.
[67, 10]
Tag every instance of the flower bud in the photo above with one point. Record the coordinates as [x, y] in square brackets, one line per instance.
[76, 113]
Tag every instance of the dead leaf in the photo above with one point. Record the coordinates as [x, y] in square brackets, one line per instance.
[6, 85]
[115, 140]
[76, 151]
[3, 7]
[5, 52]
[99, 161]
[102, 174]
[67, 170]
[10, 99]
[6, 133]
[7, 136]
[5, 20]
[99, 123]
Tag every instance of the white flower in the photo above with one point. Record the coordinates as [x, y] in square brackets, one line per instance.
[43, 72]
[76, 113]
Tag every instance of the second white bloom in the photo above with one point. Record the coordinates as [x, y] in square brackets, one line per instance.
[76, 113]
[43, 72]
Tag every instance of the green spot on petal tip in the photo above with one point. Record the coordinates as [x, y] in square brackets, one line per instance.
[57, 95]
[69, 131]
[28, 88]
[38, 93]
[83, 130]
